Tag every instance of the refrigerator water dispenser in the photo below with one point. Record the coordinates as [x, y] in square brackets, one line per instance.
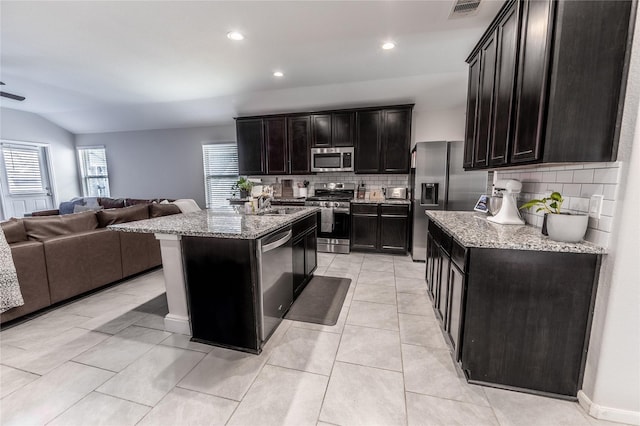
[429, 194]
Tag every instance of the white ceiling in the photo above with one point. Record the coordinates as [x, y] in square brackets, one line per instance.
[133, 65]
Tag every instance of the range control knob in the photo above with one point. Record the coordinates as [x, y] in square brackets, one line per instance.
[336, 204]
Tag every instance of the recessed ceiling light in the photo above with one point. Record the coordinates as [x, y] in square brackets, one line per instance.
[278, 74]
[234, 35]
[388, 45]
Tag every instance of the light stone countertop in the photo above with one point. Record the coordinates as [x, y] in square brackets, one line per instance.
[473, 229]
[226, 222]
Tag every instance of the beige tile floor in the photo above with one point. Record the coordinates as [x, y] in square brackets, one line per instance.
[107, 360]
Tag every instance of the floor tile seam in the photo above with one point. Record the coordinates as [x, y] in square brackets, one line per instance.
[300, 371]
[374, 328]
[371, 366]
[312, 329]
[93, 366]
[446, 348]
[407, 313]
[17, 389]
[123, 399]
[459, 402]
[14, 347]
[183, 387]
[180, 347]
[117, 372]
[404, 383]
[333, 364]
[244, 394]
[373, 301]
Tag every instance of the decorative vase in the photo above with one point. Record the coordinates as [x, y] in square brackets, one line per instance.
[566, 227]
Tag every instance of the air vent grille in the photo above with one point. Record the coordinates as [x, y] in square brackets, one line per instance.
[464, 8]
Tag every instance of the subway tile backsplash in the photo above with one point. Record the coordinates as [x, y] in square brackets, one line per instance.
[372, 182]
[577, 183]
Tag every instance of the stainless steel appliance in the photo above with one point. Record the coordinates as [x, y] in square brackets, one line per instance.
[438, 182]
[332, 159]
[395, 193]
[275, 281]
[334, 218]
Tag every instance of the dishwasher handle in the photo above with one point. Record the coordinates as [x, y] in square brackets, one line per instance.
[278, 243]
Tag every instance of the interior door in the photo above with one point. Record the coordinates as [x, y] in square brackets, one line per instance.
[25, 181]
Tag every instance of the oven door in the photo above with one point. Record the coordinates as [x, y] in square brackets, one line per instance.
[338, 240]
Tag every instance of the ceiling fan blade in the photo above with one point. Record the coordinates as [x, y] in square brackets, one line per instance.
[12, 96]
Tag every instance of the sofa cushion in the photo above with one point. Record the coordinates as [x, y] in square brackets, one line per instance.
[135, 201]
[157, 210]
[67, 207]
[42, 228]
[123, 215]
[87, 208]
[14, 230]
[111, 203]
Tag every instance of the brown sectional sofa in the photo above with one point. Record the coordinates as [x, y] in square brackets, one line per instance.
[59, 257]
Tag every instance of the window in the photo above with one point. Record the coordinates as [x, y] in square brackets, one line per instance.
[25, 169]
[93, 166]
[220, 172]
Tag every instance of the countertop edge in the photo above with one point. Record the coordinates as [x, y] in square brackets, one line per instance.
[536, 242]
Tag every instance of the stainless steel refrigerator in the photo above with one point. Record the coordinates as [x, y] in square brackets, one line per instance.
[438, 182]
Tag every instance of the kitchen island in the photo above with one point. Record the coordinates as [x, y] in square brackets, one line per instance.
[229, 276]
[515, 306]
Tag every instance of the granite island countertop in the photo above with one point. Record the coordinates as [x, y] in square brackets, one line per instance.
[224, 222]
[473, 229]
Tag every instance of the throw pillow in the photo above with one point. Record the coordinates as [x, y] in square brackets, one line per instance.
[111, 203]
[67, 207]
[123, 215]
[158, 210]
[79, 209]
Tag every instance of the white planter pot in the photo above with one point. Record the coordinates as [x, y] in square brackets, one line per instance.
[568, 228]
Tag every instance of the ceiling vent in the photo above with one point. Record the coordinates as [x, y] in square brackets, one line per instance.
[462, 8]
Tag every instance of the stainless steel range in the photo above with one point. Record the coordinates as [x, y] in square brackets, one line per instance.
[334, 218]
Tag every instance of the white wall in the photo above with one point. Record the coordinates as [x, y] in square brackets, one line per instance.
[28, 127]
[158, 163]
[438, 125]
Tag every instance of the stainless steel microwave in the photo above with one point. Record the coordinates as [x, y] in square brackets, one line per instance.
[332, 159]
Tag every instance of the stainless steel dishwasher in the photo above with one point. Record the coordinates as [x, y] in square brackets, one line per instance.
[275, 280]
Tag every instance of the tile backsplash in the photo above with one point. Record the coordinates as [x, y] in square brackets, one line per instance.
[372, 182]
[577, 183]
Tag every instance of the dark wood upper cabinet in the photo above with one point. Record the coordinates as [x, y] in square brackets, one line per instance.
[342, 128]
[321, 130]
[368, 137]
[507, 38]
[396, 140]
[250, 139]
[472, 110]
[485, 101]
[535, 41]
[299, 136]
[559, 73]
[276, 145]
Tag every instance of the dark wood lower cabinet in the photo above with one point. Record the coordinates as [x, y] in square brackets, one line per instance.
[515, 319]
[380, 227]
[305, 258]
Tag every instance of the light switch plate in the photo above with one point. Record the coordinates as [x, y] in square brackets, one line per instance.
[595, 206]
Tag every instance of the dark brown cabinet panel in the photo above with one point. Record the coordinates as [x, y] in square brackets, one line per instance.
[507, 36]
[472, 110]
[485, 101]
[396, 138]
[299, 273]
[532, 81]
[250, 137]
[343, 128]
[305, 258]
[380, 227]
[559, 74]
[299, 136]
[368, 135]
[276, 145]
[321, 130]
[311, 255]
[505, 312]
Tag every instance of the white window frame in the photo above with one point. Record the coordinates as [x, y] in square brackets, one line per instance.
[233, 175]
[86, 177]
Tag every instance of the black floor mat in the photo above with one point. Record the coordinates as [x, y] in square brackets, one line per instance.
[321, 301]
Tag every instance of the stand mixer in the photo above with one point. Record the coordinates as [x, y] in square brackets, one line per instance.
[508, 213]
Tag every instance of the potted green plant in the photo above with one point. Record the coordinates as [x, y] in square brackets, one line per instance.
[560, 226]
[244, 186]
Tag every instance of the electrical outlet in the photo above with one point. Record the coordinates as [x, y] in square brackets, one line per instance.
[595, 206]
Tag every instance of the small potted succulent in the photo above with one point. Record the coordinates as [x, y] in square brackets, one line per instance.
[244, 186]
[560, 226]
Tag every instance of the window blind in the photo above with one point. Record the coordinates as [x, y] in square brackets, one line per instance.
[220, 172]
[23, 169]
[95, 175]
